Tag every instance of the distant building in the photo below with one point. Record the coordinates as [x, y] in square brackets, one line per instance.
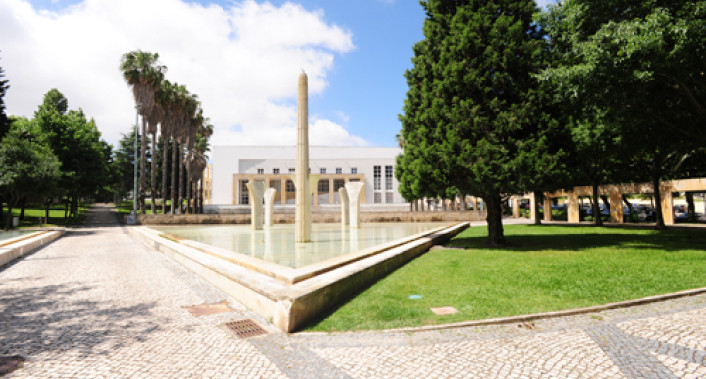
[234, 166]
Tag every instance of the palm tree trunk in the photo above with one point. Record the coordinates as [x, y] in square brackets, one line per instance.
[188, 183]
[153, 172]
[180, 201]
[143, 155]
[174, 173]
[165, 155]
[200, 196]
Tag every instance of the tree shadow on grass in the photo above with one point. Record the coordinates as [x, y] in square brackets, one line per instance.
[667, 240]
[50, 318]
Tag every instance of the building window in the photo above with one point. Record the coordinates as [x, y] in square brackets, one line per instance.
[290, 186]
[354, 180]
[260, 171]
[339, 170]
[291, 171]
[354, 170]
[338, 183]
[322, 171]
[376, 178]
[244, 195]
[388, 178]
[323, 186]
[377, 198]
[275, 171]
[389, 197]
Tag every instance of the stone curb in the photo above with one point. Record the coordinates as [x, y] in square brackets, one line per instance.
[24, 244]
[548, 315]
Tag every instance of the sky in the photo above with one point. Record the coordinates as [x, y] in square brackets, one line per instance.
[241, 57]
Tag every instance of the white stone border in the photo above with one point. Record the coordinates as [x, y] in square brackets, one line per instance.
[16, 247]
[553, 314]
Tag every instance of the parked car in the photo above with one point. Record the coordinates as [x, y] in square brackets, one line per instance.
[645, 213]
[603, 209]
[681, 213]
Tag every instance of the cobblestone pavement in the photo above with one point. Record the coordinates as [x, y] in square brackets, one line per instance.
[97, 303]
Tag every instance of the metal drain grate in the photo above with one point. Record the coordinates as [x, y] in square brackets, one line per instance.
[245, 328]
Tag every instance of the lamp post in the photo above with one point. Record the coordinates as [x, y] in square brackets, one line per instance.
[134, 187]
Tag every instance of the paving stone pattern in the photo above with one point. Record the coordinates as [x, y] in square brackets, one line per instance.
[99, 304]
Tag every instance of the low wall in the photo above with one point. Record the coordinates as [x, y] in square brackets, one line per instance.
[16, 247]
[321, 217]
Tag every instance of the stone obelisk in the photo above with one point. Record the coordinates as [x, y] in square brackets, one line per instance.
[302, 215]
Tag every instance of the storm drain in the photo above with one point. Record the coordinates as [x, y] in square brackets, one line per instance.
[245, 328]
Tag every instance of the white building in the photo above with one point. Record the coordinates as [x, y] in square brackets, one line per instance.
[233, 166]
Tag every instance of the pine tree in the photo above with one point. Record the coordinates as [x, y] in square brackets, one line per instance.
[475, 116]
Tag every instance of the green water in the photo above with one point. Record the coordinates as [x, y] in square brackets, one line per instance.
[276, 243]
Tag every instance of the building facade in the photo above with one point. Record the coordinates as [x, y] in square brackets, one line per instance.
[234, 166]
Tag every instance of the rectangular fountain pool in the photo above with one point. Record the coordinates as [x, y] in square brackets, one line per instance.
[291, 284]
[14, 233]
[276, 244]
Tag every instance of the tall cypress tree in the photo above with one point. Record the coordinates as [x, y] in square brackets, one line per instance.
[474, 111]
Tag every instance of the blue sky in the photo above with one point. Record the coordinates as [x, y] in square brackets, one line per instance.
[241, 57]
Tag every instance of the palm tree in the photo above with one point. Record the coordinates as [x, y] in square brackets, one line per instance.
[196, 122]
[166, 98]
[142, 72]
[199, 161]
[186, 105]
[153, 119]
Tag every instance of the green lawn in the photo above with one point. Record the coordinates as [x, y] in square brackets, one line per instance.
[544, 268]
[56, 215]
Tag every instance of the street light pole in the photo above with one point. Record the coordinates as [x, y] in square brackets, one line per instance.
[134, 187]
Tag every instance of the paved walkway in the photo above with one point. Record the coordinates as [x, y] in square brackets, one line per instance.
[98, 303]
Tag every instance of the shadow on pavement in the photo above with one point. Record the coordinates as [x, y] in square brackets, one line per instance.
[42, 319]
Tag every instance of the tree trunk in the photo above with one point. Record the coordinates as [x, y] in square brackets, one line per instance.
[66, 207]
[8, 218]
[199, 197]
[496, 234]
[537, 199]
[174, 174]
[22, 211]
[188, 183]
[165, 155]
[627, 203]
[143, 156]
[74, 205]
[597, 219]
[153, 173]
[46, 212]
[690, 205]
[605, 201]
[464, 206]
[180, 200]
[659, 218]
[2, 212]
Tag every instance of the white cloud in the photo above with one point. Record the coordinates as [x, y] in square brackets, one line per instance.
[243, 61]
[328, 133]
